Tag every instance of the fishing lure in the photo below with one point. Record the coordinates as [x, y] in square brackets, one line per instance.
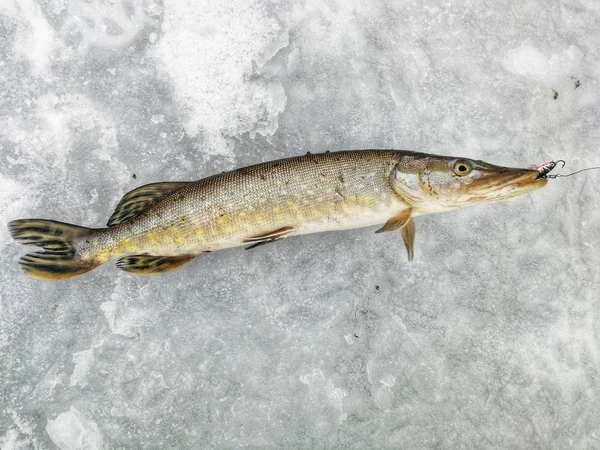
[546, 168]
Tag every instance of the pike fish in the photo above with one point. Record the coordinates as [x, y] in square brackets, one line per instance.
[162, 226]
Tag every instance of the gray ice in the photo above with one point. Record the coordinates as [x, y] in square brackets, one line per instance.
[489, 339]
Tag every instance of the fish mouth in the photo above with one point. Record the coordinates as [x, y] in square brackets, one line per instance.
[530, 177]
[503, 184]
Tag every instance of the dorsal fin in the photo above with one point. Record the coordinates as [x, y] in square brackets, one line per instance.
[136, 201]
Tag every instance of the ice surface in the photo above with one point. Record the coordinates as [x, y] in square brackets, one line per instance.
[489, 339]
[71, 431]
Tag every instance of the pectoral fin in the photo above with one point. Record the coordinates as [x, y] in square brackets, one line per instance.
[396, 222]
[150, 265]
[408, 234]
[406, 224]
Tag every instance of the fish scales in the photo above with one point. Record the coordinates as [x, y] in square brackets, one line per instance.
[310, 193]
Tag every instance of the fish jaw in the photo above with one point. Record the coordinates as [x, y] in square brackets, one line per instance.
[506, 186]
[432, 183]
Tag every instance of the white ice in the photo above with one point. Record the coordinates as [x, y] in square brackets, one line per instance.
[489, 339]
[71, 431]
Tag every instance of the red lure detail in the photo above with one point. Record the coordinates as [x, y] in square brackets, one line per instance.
[546, 168]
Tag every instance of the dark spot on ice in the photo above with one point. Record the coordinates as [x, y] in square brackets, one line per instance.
[134, 176]
[376, 288]
[554, 94]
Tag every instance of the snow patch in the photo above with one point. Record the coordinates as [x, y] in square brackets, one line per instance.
[218, 78]
[121, 319]
[157, 118]
[71, 430]
[35, 42]
[104, 24]
[322, 390]
[83, 360]
[530, 62]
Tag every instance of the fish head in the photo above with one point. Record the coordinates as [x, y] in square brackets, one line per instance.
[431, 183]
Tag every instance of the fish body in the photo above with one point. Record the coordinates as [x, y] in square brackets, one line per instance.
[161, 226]
[309, 194]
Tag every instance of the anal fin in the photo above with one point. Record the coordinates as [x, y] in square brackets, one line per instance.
[271, 236]
[134, 202]
[151, 265]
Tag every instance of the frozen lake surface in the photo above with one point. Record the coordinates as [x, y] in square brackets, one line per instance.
[489, 339]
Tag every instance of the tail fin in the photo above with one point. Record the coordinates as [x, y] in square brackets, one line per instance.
[59, 259]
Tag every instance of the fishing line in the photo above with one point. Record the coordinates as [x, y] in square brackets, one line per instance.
[548, 167]
[570, 174]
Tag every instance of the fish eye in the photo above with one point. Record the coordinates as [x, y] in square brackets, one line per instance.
[462, 168]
